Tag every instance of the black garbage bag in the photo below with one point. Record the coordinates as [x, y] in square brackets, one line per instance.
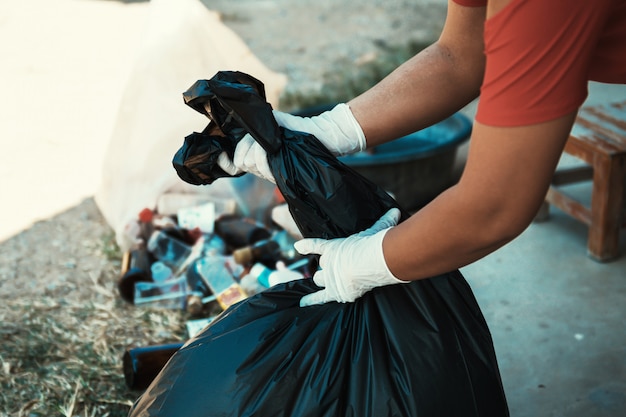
[196, 161]
[326, 198]
[420, 349]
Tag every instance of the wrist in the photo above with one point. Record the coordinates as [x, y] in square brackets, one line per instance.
[386, 246]
[387, 275]
[350, 137]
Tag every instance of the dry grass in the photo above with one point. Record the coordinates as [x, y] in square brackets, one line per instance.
[346, 79]
[64, 357]
[62, 351]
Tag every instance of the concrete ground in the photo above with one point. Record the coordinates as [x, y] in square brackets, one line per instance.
[557, 320]
[557, 317]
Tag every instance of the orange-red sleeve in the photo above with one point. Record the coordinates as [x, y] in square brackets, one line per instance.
[471, 3]
[538, 56]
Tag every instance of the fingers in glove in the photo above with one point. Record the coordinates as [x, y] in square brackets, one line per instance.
[316, 246]
[287, 120]
[251, 157]
[316, 298]
[389, 219]
[319, 278]
[262, 165]
[224, 162]
[311, 246]
[242, 151]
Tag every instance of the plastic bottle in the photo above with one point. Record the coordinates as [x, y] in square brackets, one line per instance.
[145, 224]
[142, 364]
[270, 277]
[170, 294]
[251, 285]
[213, 245]
[160, 271]
[195, 281]
[168, 249]
[222, 283]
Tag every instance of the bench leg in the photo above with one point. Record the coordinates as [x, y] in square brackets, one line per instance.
[606, 207]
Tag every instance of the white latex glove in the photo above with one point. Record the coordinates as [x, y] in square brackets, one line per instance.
[337, 129]
[350, 266]
[282, 217]
[249, 157]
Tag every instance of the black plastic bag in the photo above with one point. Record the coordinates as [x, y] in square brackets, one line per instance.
[196, 161]
[420, 349]
[337, 203]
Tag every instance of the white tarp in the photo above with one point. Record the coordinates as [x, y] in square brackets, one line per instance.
[184, 42]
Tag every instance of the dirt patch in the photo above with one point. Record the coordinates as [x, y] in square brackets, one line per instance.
[52, 258]
[63, 327]
[308, 40]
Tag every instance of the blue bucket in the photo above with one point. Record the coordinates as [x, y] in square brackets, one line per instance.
[415, 168]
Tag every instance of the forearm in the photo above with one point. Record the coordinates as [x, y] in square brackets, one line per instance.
[447, 234]
[505, 180]
[423, 91]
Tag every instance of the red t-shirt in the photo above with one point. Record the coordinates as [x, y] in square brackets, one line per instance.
[541, 53]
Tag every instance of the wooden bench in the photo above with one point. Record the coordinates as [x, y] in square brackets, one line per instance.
[599, 139]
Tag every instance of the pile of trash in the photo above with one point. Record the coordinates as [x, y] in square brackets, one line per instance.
[203, 254]
[202, 257]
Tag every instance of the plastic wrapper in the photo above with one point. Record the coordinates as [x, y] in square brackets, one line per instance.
[420, 349]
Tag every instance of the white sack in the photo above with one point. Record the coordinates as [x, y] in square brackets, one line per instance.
[184, 42]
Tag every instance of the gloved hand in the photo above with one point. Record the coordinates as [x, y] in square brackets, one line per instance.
[337, 129]
[249, 157]
[282, 217]
[350, 266]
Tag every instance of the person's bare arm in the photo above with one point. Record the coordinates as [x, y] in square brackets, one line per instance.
[504, 182]
[431, 86]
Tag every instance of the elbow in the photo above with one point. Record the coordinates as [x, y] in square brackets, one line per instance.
[500, 223]
[467, 65]
[508, 231]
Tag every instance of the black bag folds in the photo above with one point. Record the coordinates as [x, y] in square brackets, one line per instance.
[420, 349]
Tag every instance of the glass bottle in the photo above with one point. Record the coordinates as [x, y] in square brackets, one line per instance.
[135, 268]
[240, 231]
[266, 252]
[142, 364]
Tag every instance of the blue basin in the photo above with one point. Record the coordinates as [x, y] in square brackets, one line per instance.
[414, 168]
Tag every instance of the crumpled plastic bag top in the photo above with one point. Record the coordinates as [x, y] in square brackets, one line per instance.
[326, 198]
